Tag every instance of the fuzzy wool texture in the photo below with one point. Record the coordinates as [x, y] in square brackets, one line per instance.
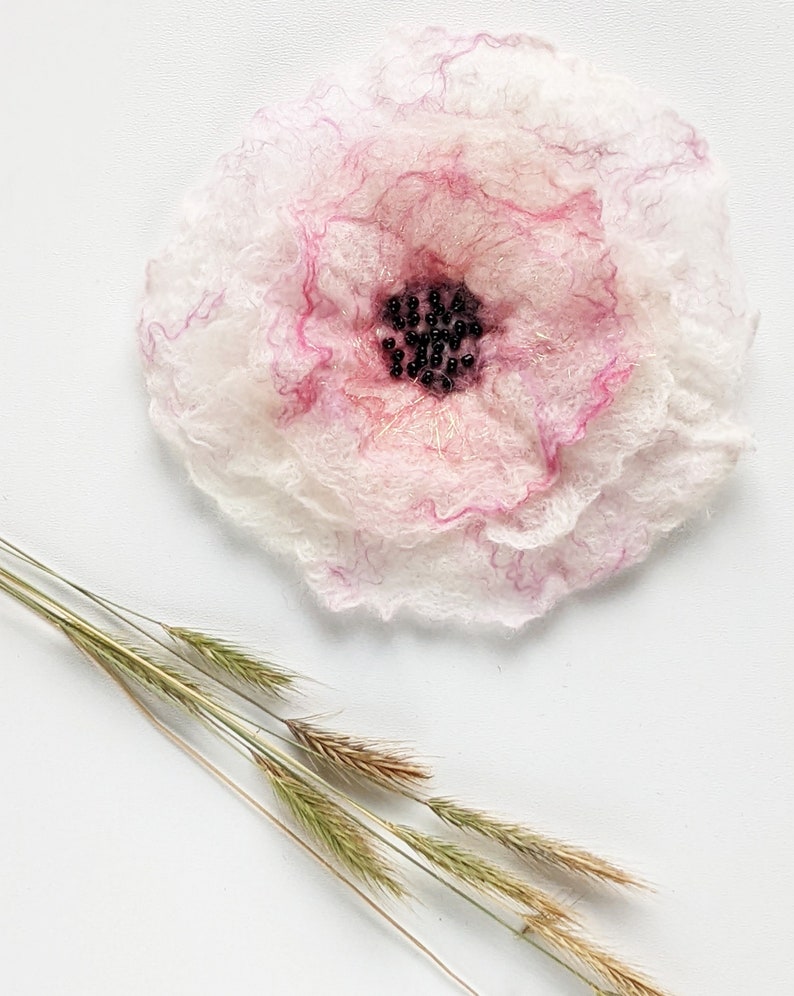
[588, 219]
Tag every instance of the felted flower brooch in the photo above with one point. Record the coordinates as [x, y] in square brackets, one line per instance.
[459, 333]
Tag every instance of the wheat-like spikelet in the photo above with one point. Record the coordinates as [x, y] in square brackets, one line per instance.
[385, 764]
[342, 836]
[624, 980]
[480, 873]
[239, 664]
[157, 677]
[529, 844]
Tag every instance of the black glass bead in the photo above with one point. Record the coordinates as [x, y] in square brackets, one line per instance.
[430, 326]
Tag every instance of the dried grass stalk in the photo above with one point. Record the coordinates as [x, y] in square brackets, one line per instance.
[343, 837]
[623, 980]
[332, 825]
[385, 764]
[122, 657]
[239, 664]
[481, 874]
[529, 844]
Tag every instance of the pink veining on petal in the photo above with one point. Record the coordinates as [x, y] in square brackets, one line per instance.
[151, 331]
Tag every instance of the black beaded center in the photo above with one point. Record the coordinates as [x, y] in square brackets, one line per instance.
[433, 336]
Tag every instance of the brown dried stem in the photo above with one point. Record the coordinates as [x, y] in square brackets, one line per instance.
[290, 834]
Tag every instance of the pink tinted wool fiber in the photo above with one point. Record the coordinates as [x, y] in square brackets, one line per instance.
[459, 333]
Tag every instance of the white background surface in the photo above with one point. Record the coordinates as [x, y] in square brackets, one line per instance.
[650, 719]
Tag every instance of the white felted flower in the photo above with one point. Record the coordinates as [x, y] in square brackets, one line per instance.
[460, 332]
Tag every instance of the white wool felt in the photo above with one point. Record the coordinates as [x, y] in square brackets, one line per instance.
[585, 225]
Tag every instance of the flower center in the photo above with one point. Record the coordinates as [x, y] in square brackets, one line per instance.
[433, 335]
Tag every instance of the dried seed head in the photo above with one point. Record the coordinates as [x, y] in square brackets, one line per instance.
[238, 663]
[344, 838]
[529, 844]
[385, 764]
[624, 980]
[482, 874]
